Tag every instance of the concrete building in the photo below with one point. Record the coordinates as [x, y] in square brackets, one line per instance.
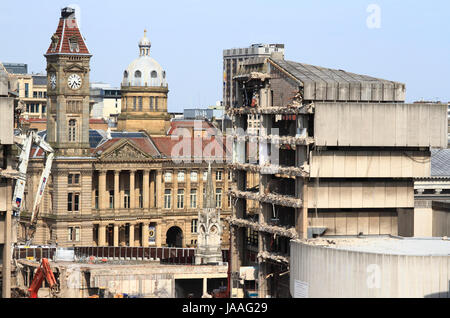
[8, 103]
[107, 103]
[16, 68]
[32, 91]
[231, 60]
[123, 188]
[337, 154]
[370, 267]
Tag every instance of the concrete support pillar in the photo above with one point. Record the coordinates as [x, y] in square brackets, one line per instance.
[145, 189]
[102, 198]
[131, 235]
[117, 189]
[132, 190]
[116, 234]
[205, 287]
[6, 271]
[144, 235]
[159, 197]
[101, 235]
[152, 190]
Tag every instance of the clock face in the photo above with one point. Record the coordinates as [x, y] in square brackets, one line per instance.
[53, 81]
[74, 81]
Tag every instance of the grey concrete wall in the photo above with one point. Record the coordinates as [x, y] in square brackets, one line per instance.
[370, 164]
[332, 273]
[380, 125]
[342, 194]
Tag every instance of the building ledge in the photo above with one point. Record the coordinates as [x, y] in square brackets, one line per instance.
[264, 227]
[278, 199]
[275, 139]
[273, 110]
[273, 169]
[273, 257]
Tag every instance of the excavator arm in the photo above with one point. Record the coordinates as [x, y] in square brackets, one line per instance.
[44, 272]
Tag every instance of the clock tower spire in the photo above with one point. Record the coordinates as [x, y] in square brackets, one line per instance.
[68, 60]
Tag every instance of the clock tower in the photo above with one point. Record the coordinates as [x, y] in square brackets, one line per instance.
[68, 89]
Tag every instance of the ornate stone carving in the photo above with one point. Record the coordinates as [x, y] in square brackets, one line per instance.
[126, 152]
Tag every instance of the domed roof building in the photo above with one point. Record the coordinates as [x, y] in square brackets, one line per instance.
[144, 94]
[144, 71]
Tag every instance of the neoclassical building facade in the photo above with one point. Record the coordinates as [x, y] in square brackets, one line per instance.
[123, 188]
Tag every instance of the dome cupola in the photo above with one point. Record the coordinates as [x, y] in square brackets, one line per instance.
[144, 71]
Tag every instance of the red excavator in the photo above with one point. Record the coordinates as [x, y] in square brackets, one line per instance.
[44, 272]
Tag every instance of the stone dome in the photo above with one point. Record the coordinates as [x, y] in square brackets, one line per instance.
[144, 71]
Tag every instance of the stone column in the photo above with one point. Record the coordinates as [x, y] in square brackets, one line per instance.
[159, 197]
[132, 190]
[144, 234]
[152, 191]
[101, 235]
[205, 288]
[187, 195]
[102, 198]
[131, 235]
[116, 234]
[145, 189]
[175, 189]
[117, 189]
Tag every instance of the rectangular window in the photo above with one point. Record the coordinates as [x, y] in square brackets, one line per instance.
[218, 175]
[44, 109]
[218, 198]
[73, 202]
[151, 103]
[96, 199]
[26, 89]
[194, 176]
[194, 224]
[156, 102]
[167, 198]
[193, 198]
[140, 103]
[141, 201]
[111, 199]
[134, 103]
[126, 199]
[205, 175]
[229, 199]
[180, 177]
[40, 94]
[73, 178]
[73, 234]
[230, 175]
[168, 177]
[180, 199]
[34, 94]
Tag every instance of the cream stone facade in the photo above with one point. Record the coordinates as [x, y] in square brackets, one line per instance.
[123, 188]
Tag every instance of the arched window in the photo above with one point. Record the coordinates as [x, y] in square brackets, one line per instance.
[138, 74]
[125, 74]
[72, 129]
[154, 74]
[164, 74]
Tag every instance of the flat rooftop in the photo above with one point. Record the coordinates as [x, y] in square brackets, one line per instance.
[388, 245]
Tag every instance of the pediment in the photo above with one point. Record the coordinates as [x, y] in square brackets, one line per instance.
[75, 68]
[125, 150]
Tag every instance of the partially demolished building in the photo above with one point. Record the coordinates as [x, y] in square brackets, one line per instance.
[336, 154]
